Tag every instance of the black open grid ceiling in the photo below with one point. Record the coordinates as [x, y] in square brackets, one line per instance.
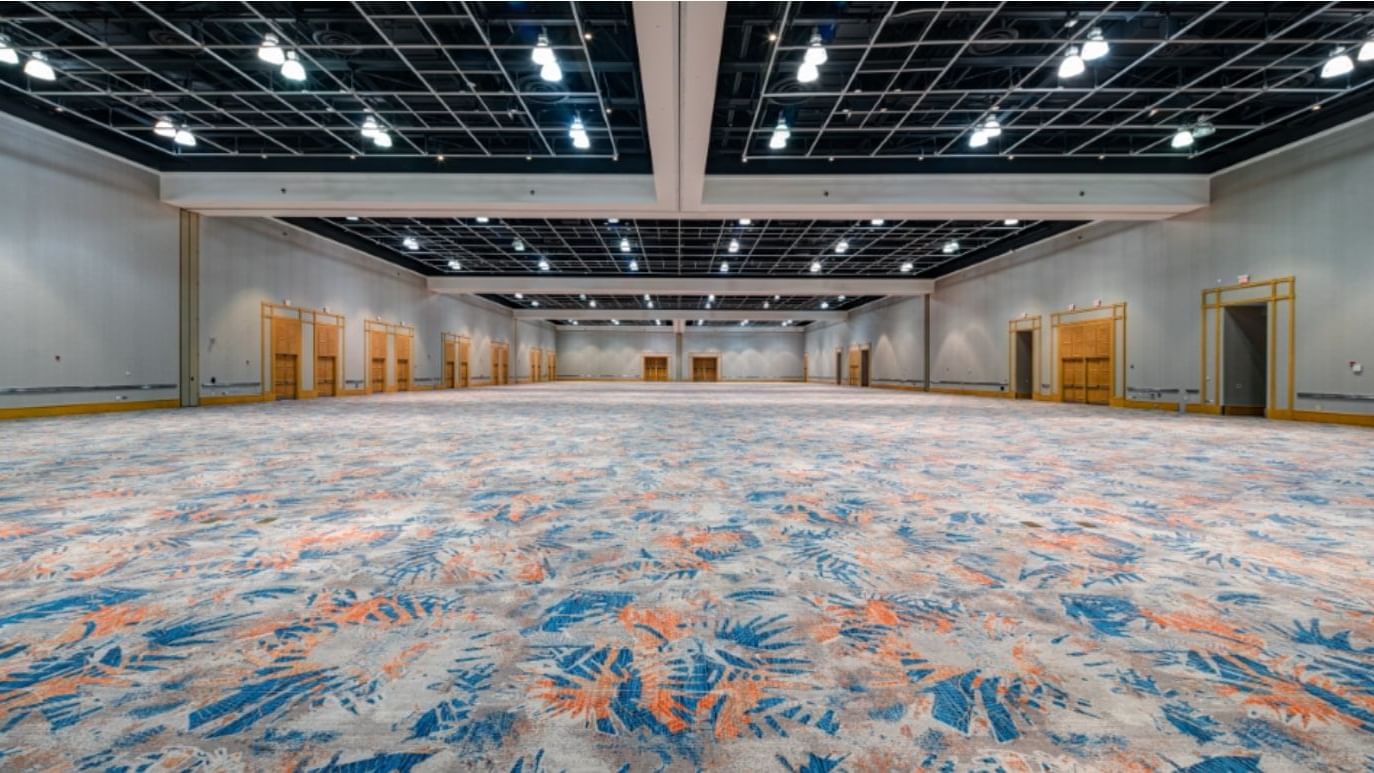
[453, 83]
[665, 325]
[685, 248]
[650, 302]
[906, 84]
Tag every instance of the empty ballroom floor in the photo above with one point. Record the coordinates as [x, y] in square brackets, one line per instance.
[644, 577]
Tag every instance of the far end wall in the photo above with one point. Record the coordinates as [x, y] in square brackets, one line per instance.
[894, 332]
[616, 353]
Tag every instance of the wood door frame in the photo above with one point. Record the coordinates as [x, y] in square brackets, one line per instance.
[389, 329]
[455, 341]
[1116, 313]
[692, 357]
[644, 368]
[267, 310]
[499, 348]
[1024, 323]
[550, 365]
[1271, 293]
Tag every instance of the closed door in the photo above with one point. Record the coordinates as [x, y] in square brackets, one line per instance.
[403, 375]
[806, 367]
[705, 369]
[535, 370]
[839, 367]
[448, 375]
[377, 376]
[463, 349]
[324, 376]
[853, 367]
[450, 370]
[550, 367]
[284, 376]
[655, 368]
[1085, 362]
[864, 367]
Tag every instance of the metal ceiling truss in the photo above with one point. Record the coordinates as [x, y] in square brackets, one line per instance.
[452, 84]
[652, 248]
[653, 305]
[906, 84]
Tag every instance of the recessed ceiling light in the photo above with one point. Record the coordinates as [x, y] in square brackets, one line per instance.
[877, 221]
[292, 69]
[1072, 66]
[519, 296]
[978, 139]
[7, 53]
[270, 51]
[578, 133]
[484, 220]
[613, 220]
[765, 304]
[1011, 221]
[1096, 45]
[1339, 64]
[615, 322]
[38, 67]
[382, 139]
[745, 221]
[352, 218]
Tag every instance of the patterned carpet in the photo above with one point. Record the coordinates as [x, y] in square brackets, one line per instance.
[678, 577]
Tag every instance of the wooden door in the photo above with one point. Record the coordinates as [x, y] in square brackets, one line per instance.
[550, 366]
[655, 368]
[463, 348]
[446, 378]
[376, 355]
[286, 351]
[853, 366]
[326, 359]
[535, 359]
[1085, 362]
[705, 369]
[806, 367]
[505, 363]
[403, 346]
[325, 374]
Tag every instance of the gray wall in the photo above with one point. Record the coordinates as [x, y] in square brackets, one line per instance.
[894, 331]
[1304, 212]
[245, 261]
[88, 273]
[745, 355]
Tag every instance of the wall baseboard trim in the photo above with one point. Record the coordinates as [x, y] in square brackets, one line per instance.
[1324, 417]
[210, 400]
[901, 387]
[39, 411]
[969, 392]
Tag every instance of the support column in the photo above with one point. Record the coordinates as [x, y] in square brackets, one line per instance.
[678, 359]
[925, 339]
[189, 351]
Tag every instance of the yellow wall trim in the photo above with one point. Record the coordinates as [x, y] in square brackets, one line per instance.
[38, 411]
[901, 387]
[236, 399]
[969, 392]
[1325, 417]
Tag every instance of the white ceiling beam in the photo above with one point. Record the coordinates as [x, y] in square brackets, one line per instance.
[703, 30]
[656, 285]
[649, 315]
[390, 194]
[658, 35]
[897, 197]
[957, 196]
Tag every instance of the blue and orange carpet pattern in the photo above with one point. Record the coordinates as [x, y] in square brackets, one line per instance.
[676, 577]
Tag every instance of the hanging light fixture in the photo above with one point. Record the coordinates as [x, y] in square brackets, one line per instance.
[877, 221]
[842, 246]
[950, 247]
[780, 135]
[410, 243]
[370, 128]
[825, 304]
[1203, 129]
[992, 128]
[551, 72]
[592, 303]
[1183, 138]
[454, 265]
[978, 139]
[725, 268]
[808, 73]
[7, 53]
[1072, 66]
[578, 133]
[164, 128]
[815, 53]
[542, 53]
[1339, 64]
[184, 138]
[1011, 221]
[518, 245]
[745, 221]
[907, 267]
[484, 220]
[624, 245]
[38, 67]
[815, 267]
[382, 139]
[270, 51]
[292, 69]
[544, 264]
[734, 246]
[1096, 45]
[634, 265]
[1366, 50]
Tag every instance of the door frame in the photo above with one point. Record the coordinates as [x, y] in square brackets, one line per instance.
[1280, 402]
[389, 330]
[644, 367]
[453, 343]
[307, 317]
[1024, 323]
[692, 357]
[1116, 312]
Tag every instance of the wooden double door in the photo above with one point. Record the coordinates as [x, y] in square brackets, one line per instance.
[1085, 362]
[655, 368]
[706, 369]
[500, 363]
[327, 359]
[286, 358]
[456, 363]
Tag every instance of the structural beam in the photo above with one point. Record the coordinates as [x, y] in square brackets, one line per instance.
[686, 315]
[703, 29]
[658, 35]
[637, 285]
[292, 194]
[957, 197]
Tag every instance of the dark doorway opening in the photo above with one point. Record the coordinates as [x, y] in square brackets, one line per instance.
[1245, 360]
[1023, 380]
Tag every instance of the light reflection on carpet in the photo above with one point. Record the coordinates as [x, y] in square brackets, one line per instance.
[761, 577]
